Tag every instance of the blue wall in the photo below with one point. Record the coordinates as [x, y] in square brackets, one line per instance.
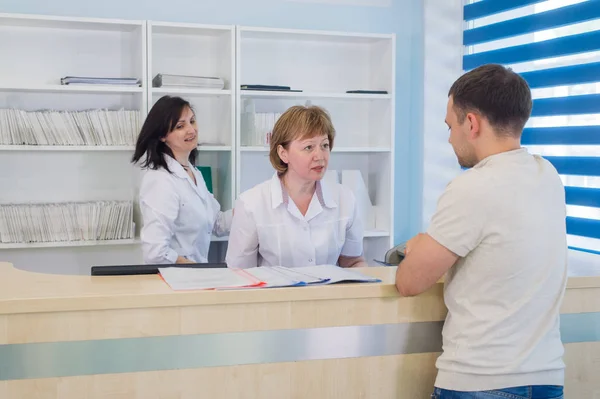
[403, 17]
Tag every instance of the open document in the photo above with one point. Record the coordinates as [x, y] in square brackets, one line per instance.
[259, 277]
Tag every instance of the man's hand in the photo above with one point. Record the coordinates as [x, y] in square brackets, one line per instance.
[425, 262]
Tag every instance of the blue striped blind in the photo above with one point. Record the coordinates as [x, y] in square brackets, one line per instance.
[555, 46]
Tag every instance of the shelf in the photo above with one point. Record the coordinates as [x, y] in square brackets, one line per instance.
[190, 91]
[209, 148]
[66, 148]
[254, 149]
[192, 29]
[65, 244]
[313, 94]
[376, 233]
[73, 89]
[62, 244]
[335, 149]
[60, 22]
[75, 148]
[247, 32]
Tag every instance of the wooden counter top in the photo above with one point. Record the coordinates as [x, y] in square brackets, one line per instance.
[29, 292]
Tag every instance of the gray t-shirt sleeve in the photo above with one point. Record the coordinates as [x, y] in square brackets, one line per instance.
[458, 221]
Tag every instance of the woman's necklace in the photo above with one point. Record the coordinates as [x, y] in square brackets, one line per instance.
[189, 171]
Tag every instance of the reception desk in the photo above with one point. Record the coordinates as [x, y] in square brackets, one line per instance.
[72, 337]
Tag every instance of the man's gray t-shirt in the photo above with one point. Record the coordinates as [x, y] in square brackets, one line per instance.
[505, 219]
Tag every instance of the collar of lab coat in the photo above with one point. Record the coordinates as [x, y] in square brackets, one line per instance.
[279, 196]
[176, 168]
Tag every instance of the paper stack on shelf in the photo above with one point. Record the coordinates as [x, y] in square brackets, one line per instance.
[259, 277]
[47, 127]
[69, 221]
[257, 128]
[354, 181]
[85, 80]
[201, 82]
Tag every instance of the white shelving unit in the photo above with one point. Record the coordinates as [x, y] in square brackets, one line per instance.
[201, 50]
[38, 51]
[57, 88]
[324, 66]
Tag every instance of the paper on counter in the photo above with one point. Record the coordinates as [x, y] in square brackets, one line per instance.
[180, 279]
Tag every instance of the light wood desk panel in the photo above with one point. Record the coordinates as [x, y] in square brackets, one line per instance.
[39, 309]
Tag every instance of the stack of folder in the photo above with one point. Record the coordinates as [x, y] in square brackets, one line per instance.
[261, 87]
[49, 127]
[181, 279]
[87, 80]
[68, 221]
[201, 82]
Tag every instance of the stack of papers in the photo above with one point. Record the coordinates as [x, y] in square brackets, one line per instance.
[257, 128]
[86, 80]
[202, 82]
[85, 221]
[92, 127]
[180, 279]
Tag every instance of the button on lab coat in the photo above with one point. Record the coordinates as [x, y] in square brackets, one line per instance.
[179, 217]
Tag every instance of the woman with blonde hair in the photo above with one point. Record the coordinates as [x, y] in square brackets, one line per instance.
[297, 218]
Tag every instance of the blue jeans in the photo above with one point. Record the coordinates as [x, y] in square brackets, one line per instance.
[527, 392]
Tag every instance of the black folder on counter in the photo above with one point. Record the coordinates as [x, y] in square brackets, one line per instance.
[126, 270]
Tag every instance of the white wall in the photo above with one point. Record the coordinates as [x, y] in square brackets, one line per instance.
[443, 65]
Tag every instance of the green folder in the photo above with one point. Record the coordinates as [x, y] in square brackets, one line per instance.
[207, 175]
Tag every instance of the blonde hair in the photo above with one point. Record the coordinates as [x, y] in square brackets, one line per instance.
[299, 122]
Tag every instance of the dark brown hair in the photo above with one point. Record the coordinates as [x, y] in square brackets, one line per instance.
[498, 94]
[161, 119]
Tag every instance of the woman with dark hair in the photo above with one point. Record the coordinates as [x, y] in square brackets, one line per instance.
[179, 213]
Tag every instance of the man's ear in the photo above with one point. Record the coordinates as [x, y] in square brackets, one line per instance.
[474, 121]
[282, 152]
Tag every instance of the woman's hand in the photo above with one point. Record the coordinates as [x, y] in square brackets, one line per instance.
[352, 261]
[181, 259]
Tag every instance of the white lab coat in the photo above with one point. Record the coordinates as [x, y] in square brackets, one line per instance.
[268, 229]
[179, 217]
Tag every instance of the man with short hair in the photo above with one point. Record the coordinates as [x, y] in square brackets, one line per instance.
[499, 235]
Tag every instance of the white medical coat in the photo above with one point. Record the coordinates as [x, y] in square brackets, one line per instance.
[268, 229]
[179, 217]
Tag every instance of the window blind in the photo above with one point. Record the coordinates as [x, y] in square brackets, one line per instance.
[555, 46]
